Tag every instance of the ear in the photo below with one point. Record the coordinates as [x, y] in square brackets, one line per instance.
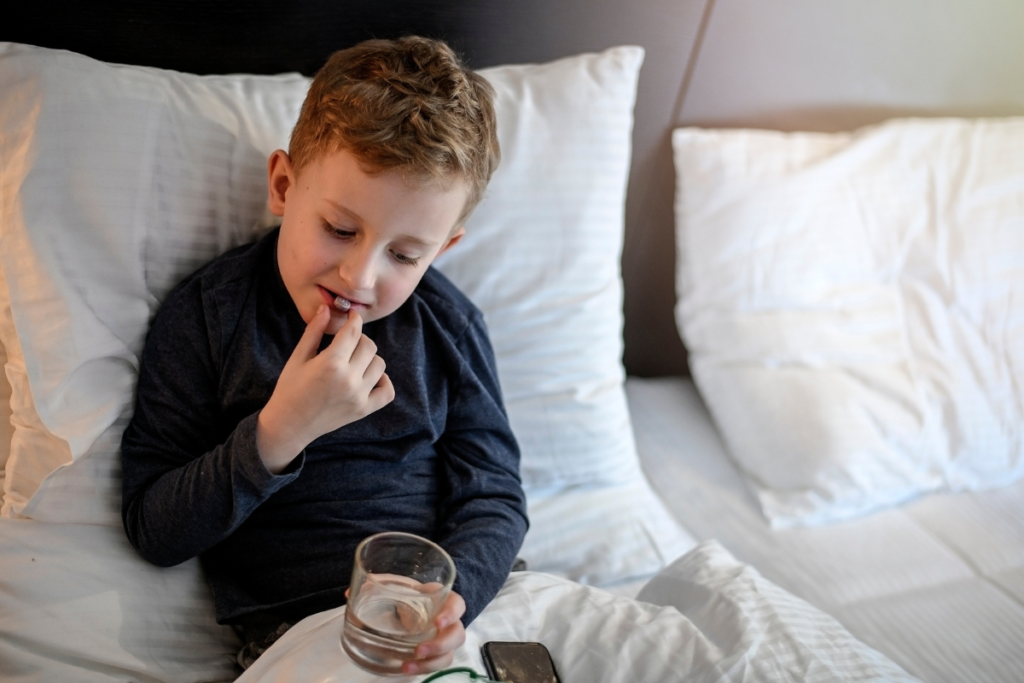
[453, 240]
[280, 177]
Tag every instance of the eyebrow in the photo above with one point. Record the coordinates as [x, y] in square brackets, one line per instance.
[359, 219]
[342, 209]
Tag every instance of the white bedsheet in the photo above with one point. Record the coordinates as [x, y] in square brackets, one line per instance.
[937, 584]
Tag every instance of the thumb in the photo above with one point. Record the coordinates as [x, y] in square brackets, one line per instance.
[310, 341]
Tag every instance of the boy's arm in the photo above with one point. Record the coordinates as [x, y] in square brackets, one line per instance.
[188, 480]
[192, 473]
[483, 515]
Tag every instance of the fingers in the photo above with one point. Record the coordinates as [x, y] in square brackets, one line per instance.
[310, 340]
[348, 337]
[446, 640]
[438, 652]
[369, 367]
[450, 631]
[452, 610]
[364, 357]
[353, 347]
[360, 352]
[422, 666]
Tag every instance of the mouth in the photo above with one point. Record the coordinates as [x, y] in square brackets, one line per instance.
[338, 302]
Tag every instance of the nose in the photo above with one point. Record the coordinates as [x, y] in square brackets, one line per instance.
[358, 269]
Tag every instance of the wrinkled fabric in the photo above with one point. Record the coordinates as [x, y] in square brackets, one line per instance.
[717, 619]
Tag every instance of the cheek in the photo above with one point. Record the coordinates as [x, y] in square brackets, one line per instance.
[396, 289]
[311, 261]
[305, 248]
[404, 285]
[289, 251]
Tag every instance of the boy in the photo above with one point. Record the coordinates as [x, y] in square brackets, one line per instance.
[267, 437]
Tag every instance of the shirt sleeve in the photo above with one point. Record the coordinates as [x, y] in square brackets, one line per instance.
[483, 512]
[188, 480]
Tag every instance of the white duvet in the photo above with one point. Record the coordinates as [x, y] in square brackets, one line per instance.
[707, 617]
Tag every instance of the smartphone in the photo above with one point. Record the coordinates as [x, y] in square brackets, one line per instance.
[519, 663]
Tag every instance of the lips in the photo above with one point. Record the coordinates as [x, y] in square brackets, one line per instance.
[331, 299]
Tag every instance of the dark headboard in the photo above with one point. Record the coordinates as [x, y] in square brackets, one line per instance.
[258, 36]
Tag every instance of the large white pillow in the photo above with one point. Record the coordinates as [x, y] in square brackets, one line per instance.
[541, 258]
[77, 603]
[120, 180]
[853, 305]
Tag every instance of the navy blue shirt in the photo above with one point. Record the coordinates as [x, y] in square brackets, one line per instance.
[439, 461]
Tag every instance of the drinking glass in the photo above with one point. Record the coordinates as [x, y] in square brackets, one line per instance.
[399, 583]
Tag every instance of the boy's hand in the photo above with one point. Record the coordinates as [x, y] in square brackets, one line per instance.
[318, 393]
[438, 652]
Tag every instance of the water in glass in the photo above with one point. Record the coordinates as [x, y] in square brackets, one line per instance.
[388, 619]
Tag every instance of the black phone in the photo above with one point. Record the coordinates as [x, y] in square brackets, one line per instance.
[519, 663]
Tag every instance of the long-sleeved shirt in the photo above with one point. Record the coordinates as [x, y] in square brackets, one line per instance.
[439, 461]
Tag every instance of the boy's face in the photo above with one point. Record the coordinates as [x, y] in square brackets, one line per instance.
[365, 238]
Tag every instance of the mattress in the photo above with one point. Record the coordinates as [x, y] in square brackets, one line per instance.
[937, 584]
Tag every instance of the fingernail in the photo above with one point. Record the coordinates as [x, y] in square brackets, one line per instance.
[422, 652]
[321, 309]
[410, 668]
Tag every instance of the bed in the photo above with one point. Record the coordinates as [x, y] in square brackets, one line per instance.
[712, 526]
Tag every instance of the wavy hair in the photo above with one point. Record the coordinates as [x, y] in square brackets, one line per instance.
[409, 105]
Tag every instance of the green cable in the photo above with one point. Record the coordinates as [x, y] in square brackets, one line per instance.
[459, 670]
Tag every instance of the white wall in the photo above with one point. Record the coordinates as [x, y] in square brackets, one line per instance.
[837, 64]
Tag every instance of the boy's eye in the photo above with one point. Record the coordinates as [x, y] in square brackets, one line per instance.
[337, 232]
[403, 259]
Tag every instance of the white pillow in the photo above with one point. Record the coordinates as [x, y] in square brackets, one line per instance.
[853, 305]
[126, 180]
[129, 178]
[541, 259]
[77, 603]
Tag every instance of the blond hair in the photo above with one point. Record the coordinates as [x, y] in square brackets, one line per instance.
[409, 105]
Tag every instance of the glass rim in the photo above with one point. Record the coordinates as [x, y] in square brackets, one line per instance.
[408, 536]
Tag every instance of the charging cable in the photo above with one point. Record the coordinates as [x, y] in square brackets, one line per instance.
[473, 675]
